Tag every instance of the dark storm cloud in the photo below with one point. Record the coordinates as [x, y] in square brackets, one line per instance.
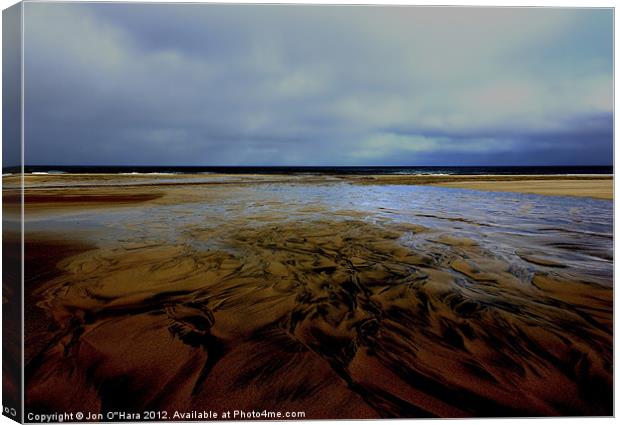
[11, 88]
[241, 85]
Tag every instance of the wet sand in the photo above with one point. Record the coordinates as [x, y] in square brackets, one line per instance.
[205, 296]
[601, 189]
[595, 186]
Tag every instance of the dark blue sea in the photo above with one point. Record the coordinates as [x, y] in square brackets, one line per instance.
[436, 170]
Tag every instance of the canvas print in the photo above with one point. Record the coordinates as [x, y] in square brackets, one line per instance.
[232, 211]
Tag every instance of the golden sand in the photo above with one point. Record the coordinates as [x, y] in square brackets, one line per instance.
[602, 189]
[334, 317]
[594, 186]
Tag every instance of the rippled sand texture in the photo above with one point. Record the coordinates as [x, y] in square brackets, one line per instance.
[241, 298]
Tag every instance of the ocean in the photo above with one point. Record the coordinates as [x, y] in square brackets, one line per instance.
[405, 170]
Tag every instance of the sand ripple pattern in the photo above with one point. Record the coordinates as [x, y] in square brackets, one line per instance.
[341, 318]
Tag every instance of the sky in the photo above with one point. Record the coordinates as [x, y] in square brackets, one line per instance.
[180, 84]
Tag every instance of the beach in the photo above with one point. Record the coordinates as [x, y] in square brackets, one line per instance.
[340, 296]
[600, 187]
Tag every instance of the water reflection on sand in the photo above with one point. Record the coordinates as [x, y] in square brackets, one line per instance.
[337, 299]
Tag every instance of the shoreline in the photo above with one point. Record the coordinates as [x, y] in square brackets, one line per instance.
[598, 186]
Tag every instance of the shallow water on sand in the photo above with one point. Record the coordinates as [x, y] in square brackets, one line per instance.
[337, 299]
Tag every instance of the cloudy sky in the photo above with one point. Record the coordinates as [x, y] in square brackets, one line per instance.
[153, 84]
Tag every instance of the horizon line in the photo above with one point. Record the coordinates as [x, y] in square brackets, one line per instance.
[304, 166]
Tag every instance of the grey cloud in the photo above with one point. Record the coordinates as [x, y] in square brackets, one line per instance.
[243, 85]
